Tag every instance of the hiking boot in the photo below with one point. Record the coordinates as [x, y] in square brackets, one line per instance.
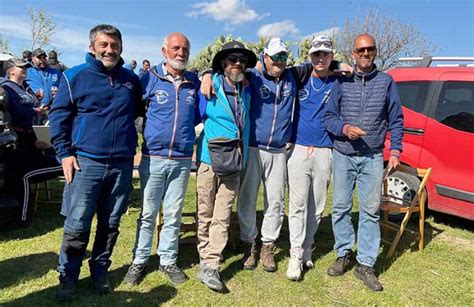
[307, 258]
[295, 265]
[249, 259]
[342, 265]
[210, 277]
[175, 273]
[366, 274]
[267, 257]
[101, 284]
[66, 290]
[135, 274]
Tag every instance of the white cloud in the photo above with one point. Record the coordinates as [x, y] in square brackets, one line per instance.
[233, 12]
[278, 29]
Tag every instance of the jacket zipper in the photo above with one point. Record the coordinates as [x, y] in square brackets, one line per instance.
[275, 111]
[176, 113]
[115, 115]
[362, 103]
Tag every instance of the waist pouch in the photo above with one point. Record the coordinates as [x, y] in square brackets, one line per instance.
[226, 156]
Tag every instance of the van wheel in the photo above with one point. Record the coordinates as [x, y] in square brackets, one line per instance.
[402, 186]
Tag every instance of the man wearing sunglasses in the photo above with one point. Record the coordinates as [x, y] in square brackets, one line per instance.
[360, 111]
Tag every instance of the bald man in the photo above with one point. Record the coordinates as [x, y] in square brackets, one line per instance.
[360, 111]
[172, 96]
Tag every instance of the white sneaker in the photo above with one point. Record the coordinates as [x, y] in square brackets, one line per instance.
[295, 265]
[307, 258]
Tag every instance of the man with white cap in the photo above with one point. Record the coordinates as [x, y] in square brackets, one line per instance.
[309, 163]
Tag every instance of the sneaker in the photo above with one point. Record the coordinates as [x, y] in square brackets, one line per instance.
[366, 274]
[341, 265]
[66, 290]
[249, 260]
[210, 277]
[307, 258]
[267, 257]
[101, 284]
[135, 274]
[175, 273]
[295, 265]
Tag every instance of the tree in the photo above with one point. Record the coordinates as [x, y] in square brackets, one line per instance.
[42, 27]
[394, 39]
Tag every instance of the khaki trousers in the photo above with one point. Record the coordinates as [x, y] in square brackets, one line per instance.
[215, 198]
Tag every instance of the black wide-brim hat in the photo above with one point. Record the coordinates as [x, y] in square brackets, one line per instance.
[233, 47]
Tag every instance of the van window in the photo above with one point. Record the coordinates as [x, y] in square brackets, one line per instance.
[413, 94]
[455, 107]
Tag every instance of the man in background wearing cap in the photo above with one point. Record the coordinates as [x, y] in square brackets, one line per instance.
[309, 163]
[43, 79]
[226, 115]
[360, 111]
[53, 61]
[27, 55]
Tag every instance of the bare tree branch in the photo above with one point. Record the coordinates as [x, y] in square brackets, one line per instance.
[42, 27]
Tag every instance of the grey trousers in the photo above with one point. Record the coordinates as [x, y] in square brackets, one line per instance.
[309, 175]
[268, 167]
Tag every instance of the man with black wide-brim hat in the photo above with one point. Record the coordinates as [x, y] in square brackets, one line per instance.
[226, 130]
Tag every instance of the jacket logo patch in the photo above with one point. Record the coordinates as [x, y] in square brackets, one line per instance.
[190, 97]
[264, 92]
[54, 78]
[128, 85]
[286, 92]
[162, 97]
[303, 94]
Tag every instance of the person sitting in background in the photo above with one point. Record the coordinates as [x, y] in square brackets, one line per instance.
[27, 163]
[53, 61]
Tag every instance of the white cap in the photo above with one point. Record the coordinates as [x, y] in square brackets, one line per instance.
[321, 43]
[274, 46]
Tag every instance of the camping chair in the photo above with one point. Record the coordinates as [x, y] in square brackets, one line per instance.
[391, 204]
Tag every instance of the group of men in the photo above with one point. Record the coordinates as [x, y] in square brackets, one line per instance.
[270, 125]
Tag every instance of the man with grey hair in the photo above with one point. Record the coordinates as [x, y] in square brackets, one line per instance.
[99, 95]
[171, 93]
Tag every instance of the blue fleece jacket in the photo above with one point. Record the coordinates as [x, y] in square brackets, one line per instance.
[171, 115]
[219, 120]
[371, 102]
[43, 79]
[272, 107]
[21, 104]
[94, 110]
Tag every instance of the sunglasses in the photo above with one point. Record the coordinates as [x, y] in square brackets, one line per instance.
[361, 50]
[279, 57]
[236, 58]
[326, 44]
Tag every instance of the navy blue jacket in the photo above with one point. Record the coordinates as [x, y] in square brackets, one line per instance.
[371, 102]
[272, 107]
[94, 110]
[171, 115]
[21, 104]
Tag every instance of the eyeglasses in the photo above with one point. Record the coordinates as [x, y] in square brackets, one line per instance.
[326, 44]
[279, 57]
[235, 58]
[361, 50]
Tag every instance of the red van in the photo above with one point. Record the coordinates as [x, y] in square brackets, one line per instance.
[438, 107]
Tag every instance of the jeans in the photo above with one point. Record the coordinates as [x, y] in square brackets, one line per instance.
[102, 186]
[161, 180]
[366, 171]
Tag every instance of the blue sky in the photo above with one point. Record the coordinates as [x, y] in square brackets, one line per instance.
[447, 24]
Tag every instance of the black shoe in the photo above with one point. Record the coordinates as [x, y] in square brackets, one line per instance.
[101, 284]
[66, 290]
[135, 274]
[175, 273]
[210, 277]
[366, 274]
[342, 265]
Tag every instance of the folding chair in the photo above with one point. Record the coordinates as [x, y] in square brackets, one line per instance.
[392, 204]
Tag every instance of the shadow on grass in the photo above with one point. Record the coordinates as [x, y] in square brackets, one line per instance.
[21, 269]
[87, 297]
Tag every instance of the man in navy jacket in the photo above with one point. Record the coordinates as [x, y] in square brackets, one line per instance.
[360, 111]
[93, 133]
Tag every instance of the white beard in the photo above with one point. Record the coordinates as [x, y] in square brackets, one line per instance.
[178, 65]
[234, 77]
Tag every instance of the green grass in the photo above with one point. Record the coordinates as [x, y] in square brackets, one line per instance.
[440, 275]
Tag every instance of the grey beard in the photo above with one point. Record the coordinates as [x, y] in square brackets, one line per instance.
[235, 77]
[177, 64]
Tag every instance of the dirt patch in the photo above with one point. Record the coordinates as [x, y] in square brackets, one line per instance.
[458, 242]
